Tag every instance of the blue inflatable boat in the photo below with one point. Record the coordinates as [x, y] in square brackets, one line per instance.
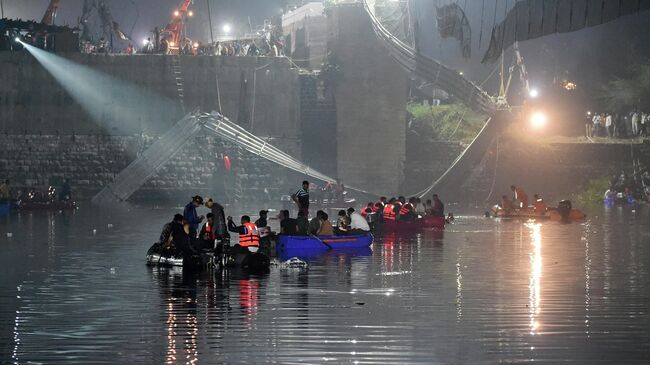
[309, 246]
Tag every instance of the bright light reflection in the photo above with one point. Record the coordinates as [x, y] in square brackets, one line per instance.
[534, 285]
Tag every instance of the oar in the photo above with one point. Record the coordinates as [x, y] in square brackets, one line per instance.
[323, 242]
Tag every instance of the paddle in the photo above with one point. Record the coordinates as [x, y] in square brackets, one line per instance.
[323, 242]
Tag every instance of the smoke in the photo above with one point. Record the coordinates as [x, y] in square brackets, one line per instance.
[115, 105]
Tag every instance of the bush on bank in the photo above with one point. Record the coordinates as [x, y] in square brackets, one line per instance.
[452, 122]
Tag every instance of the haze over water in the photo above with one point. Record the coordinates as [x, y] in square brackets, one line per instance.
[489, 292]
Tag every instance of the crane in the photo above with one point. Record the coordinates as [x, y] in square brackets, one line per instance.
[174, 29]
[50, 13]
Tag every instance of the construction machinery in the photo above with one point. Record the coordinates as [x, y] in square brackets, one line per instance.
[50, 13]
[174, 32]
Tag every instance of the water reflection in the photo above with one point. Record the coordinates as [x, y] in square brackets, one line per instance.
[488, 292]
[534, 298]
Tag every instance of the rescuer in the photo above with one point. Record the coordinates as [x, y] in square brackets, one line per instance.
[407, 210]
[539, 206]
[438, 207]
[190, 215]
[507, 205]
[389, 210]
[249, 237]
[520, 196]
[206, 236]
[301, 197]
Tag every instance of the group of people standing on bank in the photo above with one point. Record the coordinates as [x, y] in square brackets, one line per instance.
[612, 125]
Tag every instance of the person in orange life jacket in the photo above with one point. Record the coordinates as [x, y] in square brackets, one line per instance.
[520, 196]
[539, 206]
[390, 212]
[206, 235]
[249, 237]
[407, 210]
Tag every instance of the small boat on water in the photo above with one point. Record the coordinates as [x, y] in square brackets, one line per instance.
[309, 246]
[324, 242]
[416, 225]
[564, 212]
[47, 205]
[236, 258]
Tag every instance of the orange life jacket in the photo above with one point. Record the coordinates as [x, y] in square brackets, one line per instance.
[389, 212]
[406, 208]
[251, 237]
[208, 231]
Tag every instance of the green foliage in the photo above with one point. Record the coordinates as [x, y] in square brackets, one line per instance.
[454, 122]
[329, 3]
[593, 192]
[623, 94]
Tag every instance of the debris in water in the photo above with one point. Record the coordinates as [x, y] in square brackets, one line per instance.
[292, 263]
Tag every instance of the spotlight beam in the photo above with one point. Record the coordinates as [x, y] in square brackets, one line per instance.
[113, 104]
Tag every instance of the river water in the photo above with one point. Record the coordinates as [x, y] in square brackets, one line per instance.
[489, 292]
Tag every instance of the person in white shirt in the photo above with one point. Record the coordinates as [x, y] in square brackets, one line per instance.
[635, 124]
[358, 224]
[609, 126]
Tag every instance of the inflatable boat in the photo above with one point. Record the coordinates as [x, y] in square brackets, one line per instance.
[307, 246]
[416, 225]
[324, 242]
[236, 257]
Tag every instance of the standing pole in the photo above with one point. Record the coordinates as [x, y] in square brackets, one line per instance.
[210, 21]
[2, 8]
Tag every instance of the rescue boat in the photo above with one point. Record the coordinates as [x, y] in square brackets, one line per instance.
[427, 222]
[47, 205]
[311, 246]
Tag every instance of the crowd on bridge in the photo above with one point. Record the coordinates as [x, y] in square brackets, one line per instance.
[614, 125]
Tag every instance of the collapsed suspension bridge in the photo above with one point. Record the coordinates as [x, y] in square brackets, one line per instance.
[137, 173]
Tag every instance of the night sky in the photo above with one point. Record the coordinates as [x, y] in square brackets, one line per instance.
[144, 15]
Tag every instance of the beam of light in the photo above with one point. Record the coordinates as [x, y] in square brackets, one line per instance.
[535, 282]
[533, 93]
[226, 28]
[115, 105]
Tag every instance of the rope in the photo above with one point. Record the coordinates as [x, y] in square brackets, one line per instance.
[494, 174]
[255, 93]
[480, 34]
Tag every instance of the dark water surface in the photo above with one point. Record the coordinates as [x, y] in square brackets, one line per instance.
[488, 292]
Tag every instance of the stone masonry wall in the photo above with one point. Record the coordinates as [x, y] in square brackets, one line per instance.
[92, 161]
[257, 92]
